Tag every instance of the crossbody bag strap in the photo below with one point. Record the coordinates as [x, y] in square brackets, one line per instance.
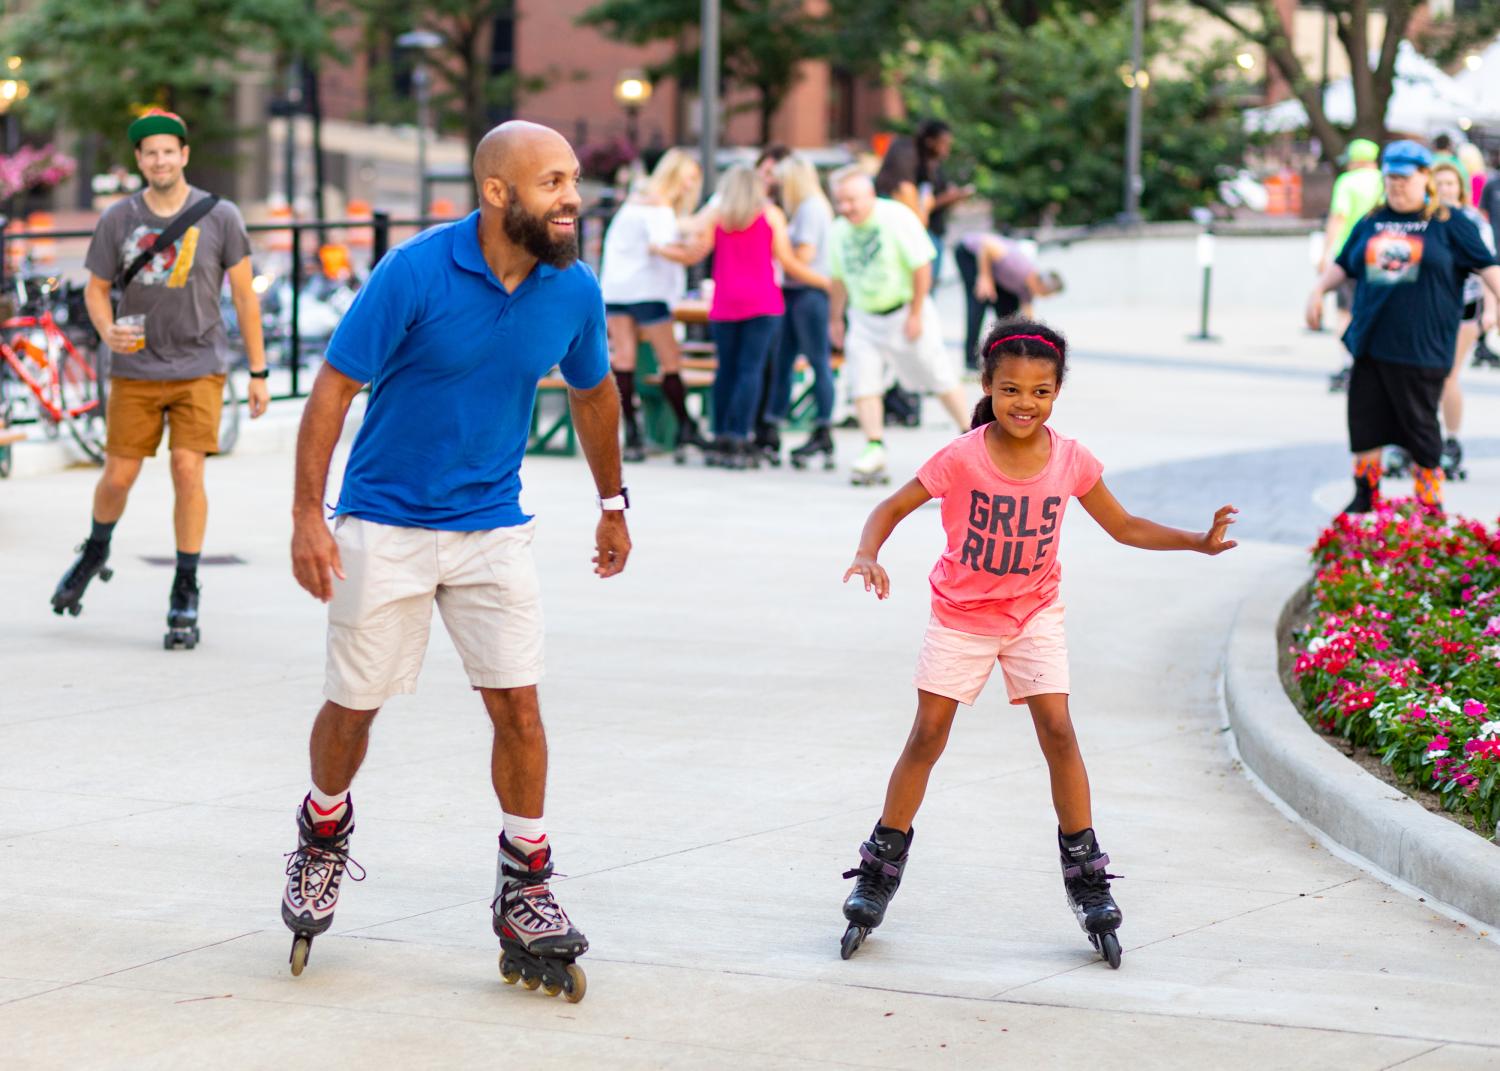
[173, 231]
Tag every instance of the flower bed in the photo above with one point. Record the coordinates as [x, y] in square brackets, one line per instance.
[1400, 651]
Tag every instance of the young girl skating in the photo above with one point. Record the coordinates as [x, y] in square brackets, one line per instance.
[1004, 488]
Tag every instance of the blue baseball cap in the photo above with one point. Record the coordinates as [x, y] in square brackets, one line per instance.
[1405, 157]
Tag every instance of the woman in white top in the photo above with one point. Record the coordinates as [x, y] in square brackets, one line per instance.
[639, 288]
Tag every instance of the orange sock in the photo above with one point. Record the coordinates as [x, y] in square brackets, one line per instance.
[1428, 485]
[1369, 470]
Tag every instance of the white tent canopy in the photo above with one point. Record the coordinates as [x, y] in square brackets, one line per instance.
[1483, 82]
[1423, 100]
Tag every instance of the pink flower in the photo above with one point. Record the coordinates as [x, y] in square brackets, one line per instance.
[1439, 743]
[1473, 708]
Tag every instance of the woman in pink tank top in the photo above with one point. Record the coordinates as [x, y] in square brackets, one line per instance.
[748, 237]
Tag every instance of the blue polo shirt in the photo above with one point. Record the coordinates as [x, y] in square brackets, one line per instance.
[453, 359]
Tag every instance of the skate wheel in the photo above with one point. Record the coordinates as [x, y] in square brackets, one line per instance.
[531, 981]
[854, 936]
[576, 985]
[301, 946]
[166, 642]
[510, 974]
[1109, 947]
[75, 609]
[106, 574]
[552, 988]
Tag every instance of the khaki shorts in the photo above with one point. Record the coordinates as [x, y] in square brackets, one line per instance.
[957, 664]
[485, 586]
[139, 408]
[876, 351]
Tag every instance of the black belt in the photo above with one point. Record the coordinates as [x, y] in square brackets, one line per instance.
[893, 308]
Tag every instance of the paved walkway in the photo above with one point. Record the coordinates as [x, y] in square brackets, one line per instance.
[723, 718]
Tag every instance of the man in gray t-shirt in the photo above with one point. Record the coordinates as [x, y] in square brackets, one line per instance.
[170, 353]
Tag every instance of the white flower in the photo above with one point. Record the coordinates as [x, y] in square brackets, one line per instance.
[1489, 729]
[1447, 703]
[1316, 644]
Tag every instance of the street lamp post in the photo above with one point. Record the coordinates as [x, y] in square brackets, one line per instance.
[13, 89]
[632, 91]
[421, 42]
[1137, 82]
[708, 92]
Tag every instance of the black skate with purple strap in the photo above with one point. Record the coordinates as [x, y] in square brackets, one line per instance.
[1086, 885]
[882, 859]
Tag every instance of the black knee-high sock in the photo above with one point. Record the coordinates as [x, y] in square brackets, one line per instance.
[671, 386]
[626, 382]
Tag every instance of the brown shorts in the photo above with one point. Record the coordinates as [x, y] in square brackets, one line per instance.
[139, 408]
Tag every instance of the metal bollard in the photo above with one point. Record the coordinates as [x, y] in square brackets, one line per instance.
[1206, 262]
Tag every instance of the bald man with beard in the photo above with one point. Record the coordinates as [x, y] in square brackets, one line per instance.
[452, 332]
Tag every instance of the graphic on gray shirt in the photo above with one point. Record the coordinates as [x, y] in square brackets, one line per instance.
[178, 289]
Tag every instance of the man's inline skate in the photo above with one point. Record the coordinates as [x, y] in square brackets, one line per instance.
[1087, 888]
[882, 858]
[768, 444]
[820, 442]
[538, 943]
[1397, 462]
[869, 470]
[689, 437]
[314, 871]
[182, 614]
[92, 561]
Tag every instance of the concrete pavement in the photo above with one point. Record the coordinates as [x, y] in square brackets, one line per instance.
[723, 718]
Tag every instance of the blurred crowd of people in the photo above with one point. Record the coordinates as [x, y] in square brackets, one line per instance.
[802, 269]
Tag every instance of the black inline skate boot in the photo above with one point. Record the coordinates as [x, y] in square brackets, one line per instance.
[689, 437]
[538, 943]
[1484, 356]
[820, 442]
[768, 443]
[882, 858]
[1087, 887]
[89, 564]
[1452, 461]
[182, 613]
[635, 447]
[313, 872]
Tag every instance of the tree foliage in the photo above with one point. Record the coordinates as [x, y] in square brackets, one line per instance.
[92, 66]
[761, 42]
[1042, 113]
[467, 94]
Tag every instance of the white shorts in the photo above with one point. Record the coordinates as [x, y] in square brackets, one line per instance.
[1034, 661]
[876, 350]
[485, 586]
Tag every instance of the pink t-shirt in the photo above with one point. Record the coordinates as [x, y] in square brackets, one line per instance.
[1000, 567]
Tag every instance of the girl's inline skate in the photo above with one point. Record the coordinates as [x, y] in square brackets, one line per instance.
[882, 858]
[1087, 888]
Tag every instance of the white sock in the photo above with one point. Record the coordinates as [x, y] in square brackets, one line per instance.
[328, 807]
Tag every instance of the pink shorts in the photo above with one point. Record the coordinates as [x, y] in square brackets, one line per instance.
[957, 664]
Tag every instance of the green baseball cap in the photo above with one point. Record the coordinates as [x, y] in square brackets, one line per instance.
[1362, 151]
[157, 121]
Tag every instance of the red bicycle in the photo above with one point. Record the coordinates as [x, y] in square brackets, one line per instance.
[44, 375]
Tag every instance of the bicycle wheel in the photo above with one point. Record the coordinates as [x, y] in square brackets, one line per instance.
[229, 418]
[82, 403]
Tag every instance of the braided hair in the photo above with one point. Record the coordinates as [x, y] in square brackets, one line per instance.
[1017, 338]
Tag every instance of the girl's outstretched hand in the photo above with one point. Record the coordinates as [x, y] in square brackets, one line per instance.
[1213, 539]
[875, 577]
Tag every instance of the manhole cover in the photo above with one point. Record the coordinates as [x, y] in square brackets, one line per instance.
[207, 559]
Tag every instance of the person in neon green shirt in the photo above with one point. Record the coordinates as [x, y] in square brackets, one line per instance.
[1355, 193]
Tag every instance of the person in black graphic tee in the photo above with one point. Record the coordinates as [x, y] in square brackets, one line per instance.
[1408, 259]
[1004, 488]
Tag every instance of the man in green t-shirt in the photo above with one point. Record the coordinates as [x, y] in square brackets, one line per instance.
[880, 260]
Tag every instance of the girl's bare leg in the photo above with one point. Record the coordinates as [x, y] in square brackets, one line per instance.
[929, 735]
[1070, 781]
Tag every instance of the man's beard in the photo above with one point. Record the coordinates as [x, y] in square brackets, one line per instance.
[533, 234]
[165, 185]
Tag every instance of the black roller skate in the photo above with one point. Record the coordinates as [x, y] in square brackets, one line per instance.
[538, 944]
[689, 437]
[1339, 381]
[182, 613]
[768, 444]
[820, 442]
[1484, 356]
[1452, 460]
[314, 871]
[1087, 887]
[635, 446]
[882, 858]
[89, 564]
[1397, 462]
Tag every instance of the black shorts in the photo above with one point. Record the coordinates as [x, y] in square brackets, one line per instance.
[1472, 311]
[644, 313]
[1396, 405]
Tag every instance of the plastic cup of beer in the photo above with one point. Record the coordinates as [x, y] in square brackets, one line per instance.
[135, 323]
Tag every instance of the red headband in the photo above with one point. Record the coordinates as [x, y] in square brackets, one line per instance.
[1023, 338]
